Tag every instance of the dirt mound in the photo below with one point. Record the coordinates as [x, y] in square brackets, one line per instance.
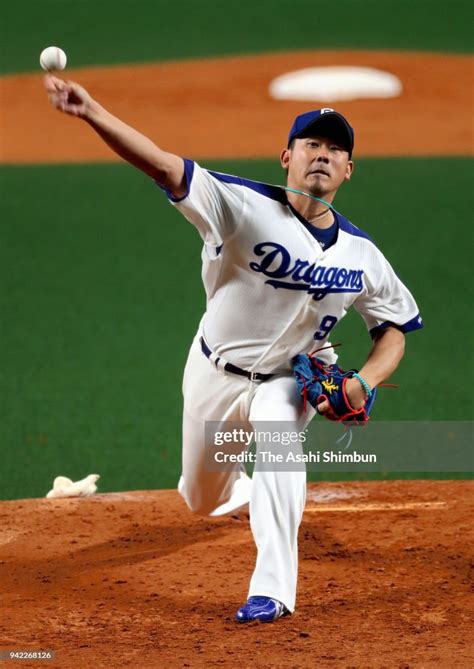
[134, 579]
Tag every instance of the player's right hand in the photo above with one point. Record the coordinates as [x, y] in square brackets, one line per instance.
[67, 96]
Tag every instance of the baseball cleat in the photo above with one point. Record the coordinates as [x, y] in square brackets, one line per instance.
[262, 609]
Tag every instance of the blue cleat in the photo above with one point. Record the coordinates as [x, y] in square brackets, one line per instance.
[263, 609]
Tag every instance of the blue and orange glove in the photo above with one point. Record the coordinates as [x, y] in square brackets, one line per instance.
[317, 382]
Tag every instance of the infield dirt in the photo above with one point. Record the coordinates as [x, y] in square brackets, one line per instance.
[135, 579]
[221, 108]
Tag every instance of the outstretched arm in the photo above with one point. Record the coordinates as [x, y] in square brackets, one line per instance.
[384, 357]
[71, 98]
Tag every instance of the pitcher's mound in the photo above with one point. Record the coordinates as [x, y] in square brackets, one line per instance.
[134, 579]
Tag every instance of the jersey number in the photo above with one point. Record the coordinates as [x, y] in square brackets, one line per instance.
[325, 327]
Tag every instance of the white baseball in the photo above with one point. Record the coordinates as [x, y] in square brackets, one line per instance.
[53, 58]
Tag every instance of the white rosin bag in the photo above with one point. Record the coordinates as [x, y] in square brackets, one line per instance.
[64, 487]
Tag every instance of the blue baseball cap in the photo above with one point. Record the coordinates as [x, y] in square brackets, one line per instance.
[325, 122]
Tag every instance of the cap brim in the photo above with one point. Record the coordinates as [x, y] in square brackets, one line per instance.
[330, 125]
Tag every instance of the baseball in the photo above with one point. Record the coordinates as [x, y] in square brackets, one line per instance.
[53, 58]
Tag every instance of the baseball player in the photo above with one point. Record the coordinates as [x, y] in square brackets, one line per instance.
[280, 268]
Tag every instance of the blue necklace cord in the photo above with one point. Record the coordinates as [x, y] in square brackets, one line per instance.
[313, 197]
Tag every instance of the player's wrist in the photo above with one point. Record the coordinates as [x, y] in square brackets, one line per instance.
[355, 393]
[93, 111]
[364, 384]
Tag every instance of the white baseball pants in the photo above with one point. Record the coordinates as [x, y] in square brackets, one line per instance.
[276, 498]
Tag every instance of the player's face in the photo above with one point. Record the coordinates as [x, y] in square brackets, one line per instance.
[318, 165]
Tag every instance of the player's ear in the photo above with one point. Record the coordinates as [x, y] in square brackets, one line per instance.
[285, 158]
[349, 170]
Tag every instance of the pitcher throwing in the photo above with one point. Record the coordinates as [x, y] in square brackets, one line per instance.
[280, 269]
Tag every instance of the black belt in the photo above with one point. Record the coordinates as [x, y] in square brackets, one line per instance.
[229, 367]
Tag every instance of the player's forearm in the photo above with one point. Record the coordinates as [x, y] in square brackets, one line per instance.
[384, 357]
[132, 146]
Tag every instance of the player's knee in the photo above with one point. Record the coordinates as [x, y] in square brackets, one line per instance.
[197, 504]
[200, 507]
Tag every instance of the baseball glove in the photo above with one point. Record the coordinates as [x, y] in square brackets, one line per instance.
[317, 381]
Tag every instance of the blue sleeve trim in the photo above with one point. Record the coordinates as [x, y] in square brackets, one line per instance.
[273, 192]
[188, 176]
[415, 323]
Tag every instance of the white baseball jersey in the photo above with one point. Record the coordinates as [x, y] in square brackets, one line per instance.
[272, 291]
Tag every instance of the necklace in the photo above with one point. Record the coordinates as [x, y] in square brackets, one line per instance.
[318, 216]
[313, 197]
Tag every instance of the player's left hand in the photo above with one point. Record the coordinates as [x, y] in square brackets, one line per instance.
[332, 391]
[355, 394]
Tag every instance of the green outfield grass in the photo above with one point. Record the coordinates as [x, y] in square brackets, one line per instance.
[101, 295]
[121, 31]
